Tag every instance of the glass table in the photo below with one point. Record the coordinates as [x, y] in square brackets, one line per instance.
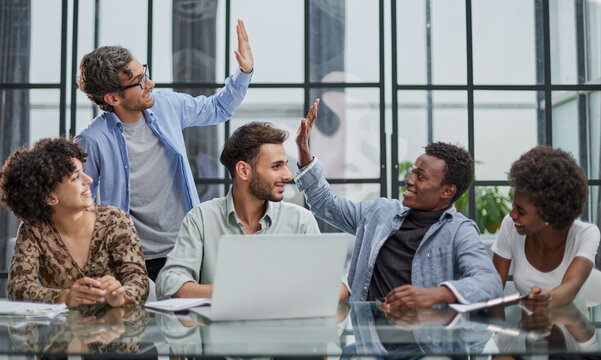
[358, 330]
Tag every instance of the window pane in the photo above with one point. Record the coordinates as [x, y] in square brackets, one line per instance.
[45, 41]
[344, 41]
[119, 18]
[566, 124]
[505, 126]
[346, 133]
[276, 40]
[576, 128]
[282, 107]
[448, 49]
[562, 24]
[188, 38]
[504, 41]
[593, 36]
[449, 121]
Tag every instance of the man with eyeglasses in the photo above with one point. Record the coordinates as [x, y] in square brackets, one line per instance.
[137, 155]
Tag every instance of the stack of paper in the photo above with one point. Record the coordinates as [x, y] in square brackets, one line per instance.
[177, 304]
[31, 309]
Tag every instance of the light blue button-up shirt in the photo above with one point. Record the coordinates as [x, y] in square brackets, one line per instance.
[107, 162]
[450, 254]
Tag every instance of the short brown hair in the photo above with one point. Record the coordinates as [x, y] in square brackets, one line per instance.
[99, 73]
[554, 183]
[245, 143]
[29, 176]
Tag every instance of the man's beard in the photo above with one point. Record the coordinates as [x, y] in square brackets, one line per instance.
[261, 189]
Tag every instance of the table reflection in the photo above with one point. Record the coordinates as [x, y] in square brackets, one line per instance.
[90, 329]
[358, 330]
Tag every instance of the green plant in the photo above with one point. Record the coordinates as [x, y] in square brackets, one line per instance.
[491, 208]
[491, 204]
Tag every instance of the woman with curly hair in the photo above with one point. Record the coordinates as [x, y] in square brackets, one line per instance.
[552, 251]
[67, 249]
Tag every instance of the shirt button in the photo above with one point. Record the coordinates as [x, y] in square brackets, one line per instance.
[126, 166]
[365, 288]
[371, 266]
[428, 255]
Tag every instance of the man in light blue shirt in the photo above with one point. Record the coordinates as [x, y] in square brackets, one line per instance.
[137, 155]
[410, 254]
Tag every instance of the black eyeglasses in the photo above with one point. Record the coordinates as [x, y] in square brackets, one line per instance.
[142, 82]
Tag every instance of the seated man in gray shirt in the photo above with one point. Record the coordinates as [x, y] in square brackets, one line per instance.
[255, 157]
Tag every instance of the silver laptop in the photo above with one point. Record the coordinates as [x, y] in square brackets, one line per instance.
[277, 277]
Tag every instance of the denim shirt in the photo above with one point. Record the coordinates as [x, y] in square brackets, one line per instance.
[107, 162]
[450, 254]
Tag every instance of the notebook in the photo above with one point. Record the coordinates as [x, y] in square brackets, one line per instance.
[260, 277]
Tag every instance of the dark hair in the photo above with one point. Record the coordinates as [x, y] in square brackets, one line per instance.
[99, 73]
[29, 176]
[245, 143]
[460, 166]
[554, 183]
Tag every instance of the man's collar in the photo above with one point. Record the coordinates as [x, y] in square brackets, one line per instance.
[114, 121]
[231, 209]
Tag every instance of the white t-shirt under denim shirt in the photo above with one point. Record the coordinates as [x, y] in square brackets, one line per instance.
[582, 240]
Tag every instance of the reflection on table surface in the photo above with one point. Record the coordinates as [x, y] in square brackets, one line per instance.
[359, 329]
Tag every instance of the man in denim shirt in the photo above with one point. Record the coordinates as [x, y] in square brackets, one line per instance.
[410, 254]
[137, 155]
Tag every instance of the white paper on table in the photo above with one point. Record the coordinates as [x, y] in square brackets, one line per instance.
[177, 304]
[504, 300]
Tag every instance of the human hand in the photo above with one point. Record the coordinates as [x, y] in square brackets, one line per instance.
[538, 321]
[538, 300]
[414, 318]
[113, 290]
[415, 297]
[303, 133]
[84, 291]
[243, 54]
[103, 329]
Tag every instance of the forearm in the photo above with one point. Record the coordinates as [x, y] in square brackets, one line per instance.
[304, 155]
[192, 290]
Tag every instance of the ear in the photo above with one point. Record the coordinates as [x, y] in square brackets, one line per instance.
[448, 192]
[112, 99]
[51, 200]
[243, 170]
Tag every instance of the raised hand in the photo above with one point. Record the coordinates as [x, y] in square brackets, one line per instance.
[243, 54]
[303, 133]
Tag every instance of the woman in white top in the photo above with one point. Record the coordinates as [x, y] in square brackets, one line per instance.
[553, 253]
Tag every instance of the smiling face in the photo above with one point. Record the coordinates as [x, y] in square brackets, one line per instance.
[424, 189]
[135, 98]
[270, 173]
[525, 216]
[73, 192]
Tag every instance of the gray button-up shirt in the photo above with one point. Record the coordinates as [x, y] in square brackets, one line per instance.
[195, 253]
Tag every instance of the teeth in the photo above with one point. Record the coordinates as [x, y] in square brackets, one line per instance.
[518, 224]
[87, 193]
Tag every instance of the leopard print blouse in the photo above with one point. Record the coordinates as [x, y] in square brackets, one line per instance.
[41, 255]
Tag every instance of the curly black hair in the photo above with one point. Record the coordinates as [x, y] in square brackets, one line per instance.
[554, 183]
[99, 73]
[28, 176]
[460, 166]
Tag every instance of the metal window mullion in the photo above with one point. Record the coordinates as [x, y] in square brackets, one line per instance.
[382, 107]
[74, 68]
[394, 145]
[63, 74]
[470, 103]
